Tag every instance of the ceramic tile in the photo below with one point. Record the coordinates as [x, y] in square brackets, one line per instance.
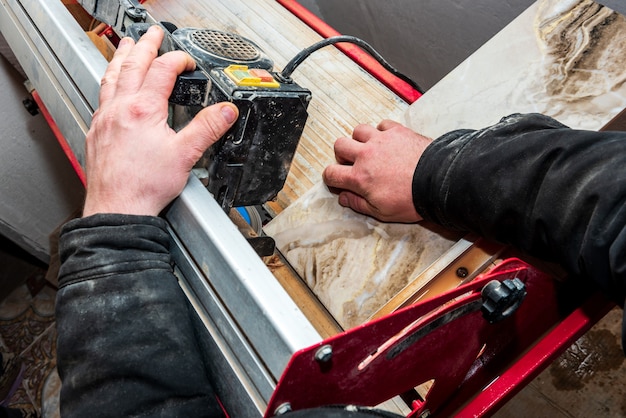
[20, 332]
[352, 263]
[21, 400]
[40, 361]
[43, 304]
[16, 303]
[563, 59]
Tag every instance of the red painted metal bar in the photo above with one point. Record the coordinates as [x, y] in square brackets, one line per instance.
[60, 138]
[398, 86]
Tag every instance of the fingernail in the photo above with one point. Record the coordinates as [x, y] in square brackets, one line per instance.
[125, 41]
[154, 28]
[229, 113]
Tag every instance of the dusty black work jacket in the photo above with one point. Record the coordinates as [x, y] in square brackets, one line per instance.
[555, 193]
[126, 345]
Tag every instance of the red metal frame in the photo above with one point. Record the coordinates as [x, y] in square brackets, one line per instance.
[522, 372]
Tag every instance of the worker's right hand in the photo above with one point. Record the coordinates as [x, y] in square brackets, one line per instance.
[136, 163]
[374, 171]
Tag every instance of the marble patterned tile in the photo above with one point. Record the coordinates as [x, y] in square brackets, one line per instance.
[352, 263]
[565, 59]
[21, 332]
[40, 361]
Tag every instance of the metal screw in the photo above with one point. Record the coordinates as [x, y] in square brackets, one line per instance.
[136, 14]
[462, 272]
[324, 354]
[283, 408]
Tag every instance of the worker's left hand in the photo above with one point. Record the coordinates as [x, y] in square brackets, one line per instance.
[374, 171]
[136, 164]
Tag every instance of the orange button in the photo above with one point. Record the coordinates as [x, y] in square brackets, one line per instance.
[264, 75]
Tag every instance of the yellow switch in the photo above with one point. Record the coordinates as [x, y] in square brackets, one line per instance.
[253, 77]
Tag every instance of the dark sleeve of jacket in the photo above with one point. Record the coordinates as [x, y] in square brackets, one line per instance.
[529, 181]
[126, 346]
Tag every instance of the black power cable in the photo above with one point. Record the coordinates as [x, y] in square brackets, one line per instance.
[302, 55]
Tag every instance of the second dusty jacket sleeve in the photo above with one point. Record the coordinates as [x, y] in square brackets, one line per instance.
[529, 181]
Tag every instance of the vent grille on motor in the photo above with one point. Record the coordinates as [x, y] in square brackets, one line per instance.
[225, 45]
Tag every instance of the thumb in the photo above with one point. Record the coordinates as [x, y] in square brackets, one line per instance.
[209, 125]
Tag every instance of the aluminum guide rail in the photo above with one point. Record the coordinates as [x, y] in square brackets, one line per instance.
[243, 386]
[237, 299]
[257, 302]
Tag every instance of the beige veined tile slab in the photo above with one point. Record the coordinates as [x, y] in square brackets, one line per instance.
[563, 59]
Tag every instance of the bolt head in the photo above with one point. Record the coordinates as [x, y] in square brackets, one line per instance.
[283, 408]
[462, 272]
[324, 354]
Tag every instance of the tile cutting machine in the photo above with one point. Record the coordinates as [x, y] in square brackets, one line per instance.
[464, 351]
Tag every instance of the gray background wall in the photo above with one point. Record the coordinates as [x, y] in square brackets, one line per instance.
[424, 39]
[617, 5]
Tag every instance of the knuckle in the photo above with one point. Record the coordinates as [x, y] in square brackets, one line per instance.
[162, 63]
[137, 109]
[106, 80]
[129, 64]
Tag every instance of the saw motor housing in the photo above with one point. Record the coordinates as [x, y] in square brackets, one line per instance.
[249, 165]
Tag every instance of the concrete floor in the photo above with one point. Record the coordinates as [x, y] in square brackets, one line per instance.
[588, 380]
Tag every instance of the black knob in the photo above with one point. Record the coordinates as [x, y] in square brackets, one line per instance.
[501, 299]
